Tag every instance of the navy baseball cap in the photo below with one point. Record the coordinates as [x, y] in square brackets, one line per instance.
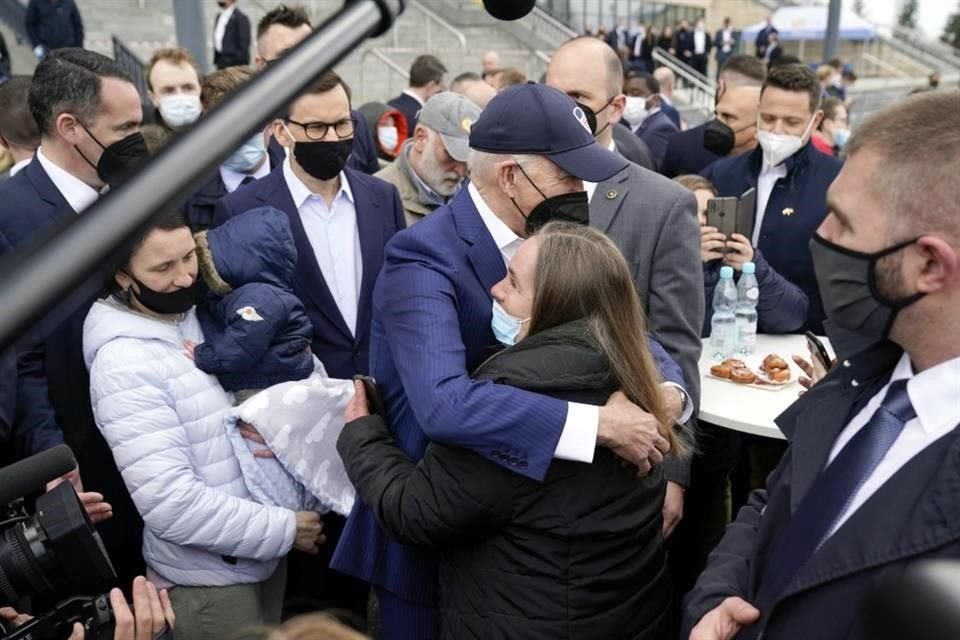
[535, 119]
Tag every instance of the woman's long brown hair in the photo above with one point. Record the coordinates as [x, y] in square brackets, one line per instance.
[581, 275]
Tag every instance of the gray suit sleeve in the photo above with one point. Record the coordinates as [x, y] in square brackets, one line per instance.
[675, 303]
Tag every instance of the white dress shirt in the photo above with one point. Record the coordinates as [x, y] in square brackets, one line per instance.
[699, 42]
[579, 436]
[765, 182]
[233, 179]
[221, 27]
[78, 194]
[413, 94]
[332, 232]
[727, 40]
[933, 394]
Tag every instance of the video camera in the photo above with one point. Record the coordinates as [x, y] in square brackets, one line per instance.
[56, 547]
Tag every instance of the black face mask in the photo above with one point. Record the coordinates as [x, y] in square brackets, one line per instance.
[167, 303]
[120, 160]
[568, 207]
[719, 138]
[848, 286]
[323, 160]
[592, 117]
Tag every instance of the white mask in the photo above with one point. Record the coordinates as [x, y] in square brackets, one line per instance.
[777, 147]
[389, 137]
[636, 110]
[180, 110]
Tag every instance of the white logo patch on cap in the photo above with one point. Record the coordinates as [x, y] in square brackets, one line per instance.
[581, 118]
[249, 314]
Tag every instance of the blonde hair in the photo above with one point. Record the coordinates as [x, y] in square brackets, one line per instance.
[581, 274]
[310, 626]
[175, 56]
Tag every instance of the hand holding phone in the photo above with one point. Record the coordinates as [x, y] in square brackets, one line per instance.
[818, 366]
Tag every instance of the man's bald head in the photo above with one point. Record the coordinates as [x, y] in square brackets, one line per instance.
[667, 80]
[587, 54]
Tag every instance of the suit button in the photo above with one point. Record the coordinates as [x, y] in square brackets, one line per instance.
[523, 464]
[514, 461]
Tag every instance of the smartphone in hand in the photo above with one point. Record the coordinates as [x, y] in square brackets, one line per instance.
[374, 399]
[819, 351]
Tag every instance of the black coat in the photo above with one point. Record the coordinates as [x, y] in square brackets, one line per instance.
[235, 48]
[577, 556]
[914, 516]
[54, 24]
[686, 154]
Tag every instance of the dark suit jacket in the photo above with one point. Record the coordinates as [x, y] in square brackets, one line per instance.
[684, 40]
[774, 53]
[686, 154]
[235, 49]
[379, 216]
[656, 132]
[53, 389]
[633, 148]
[796, 208]
[671, 112]
[914, 516]
[54, 25]
[763, 37]
[431, 329]
[409, 107]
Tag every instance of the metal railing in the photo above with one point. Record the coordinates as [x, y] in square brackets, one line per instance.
[384, 57]
[549, 29]
[133, 65]
[943, 52]
[433, 19]
[700, 91]
[883, 65]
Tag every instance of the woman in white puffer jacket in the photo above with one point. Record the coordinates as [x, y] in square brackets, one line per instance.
[164, 421]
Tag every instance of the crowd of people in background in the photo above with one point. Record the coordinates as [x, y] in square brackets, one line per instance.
[525, 269]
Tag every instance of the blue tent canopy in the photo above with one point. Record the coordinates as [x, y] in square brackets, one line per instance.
[810, 23]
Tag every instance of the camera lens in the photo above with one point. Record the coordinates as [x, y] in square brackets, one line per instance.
[24, 561]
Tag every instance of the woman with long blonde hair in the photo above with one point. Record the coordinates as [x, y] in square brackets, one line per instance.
[579, 555]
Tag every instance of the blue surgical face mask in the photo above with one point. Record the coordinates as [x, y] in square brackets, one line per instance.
[505, 327]
[840, 138]
[180, 110]
[246, 158]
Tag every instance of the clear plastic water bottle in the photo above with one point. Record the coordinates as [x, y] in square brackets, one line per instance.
[723, 326]
[748, 295]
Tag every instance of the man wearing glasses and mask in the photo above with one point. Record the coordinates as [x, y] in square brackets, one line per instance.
[341, 220]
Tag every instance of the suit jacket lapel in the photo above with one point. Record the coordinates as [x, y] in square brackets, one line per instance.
[60, 210]
[309, 279]
[484, 255]
[608, 198]
[371, 231]
[921, 512]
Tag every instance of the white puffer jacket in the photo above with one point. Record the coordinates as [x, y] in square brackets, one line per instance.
[164, 421]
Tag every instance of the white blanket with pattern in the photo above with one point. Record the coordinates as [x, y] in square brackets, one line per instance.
[300, 422]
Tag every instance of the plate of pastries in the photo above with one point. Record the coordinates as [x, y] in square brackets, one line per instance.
[772, 373]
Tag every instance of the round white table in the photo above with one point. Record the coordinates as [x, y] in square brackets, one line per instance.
[746, 408]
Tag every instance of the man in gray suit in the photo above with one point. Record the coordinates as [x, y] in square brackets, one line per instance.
[653, 221]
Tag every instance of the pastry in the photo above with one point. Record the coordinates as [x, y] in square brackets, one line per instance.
[733, 363]
[721, 371]
[773, 361]
[780, 375]
[743, 376]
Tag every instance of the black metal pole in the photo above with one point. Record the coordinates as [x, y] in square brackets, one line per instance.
[832, 46]
[50, 273]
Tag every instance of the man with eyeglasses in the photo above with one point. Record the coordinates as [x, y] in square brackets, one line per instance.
[341, 219]
[279, 31]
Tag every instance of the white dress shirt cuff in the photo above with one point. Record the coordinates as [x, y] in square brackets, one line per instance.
[578, 441]
[687, 411]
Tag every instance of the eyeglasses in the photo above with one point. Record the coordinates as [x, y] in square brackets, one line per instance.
[318, 130]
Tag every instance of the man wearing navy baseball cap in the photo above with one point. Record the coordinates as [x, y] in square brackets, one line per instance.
[531, 149]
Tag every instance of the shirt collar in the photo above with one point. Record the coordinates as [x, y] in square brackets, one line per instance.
[591, 187]
[232, 179]
[504, 237]
[413, 94]
[15, 169]
[78, 194]
[300, 193]
[933, 393]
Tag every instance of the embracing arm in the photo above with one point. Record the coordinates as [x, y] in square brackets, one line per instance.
[151, 448]
[452, 495]
[783, 306]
